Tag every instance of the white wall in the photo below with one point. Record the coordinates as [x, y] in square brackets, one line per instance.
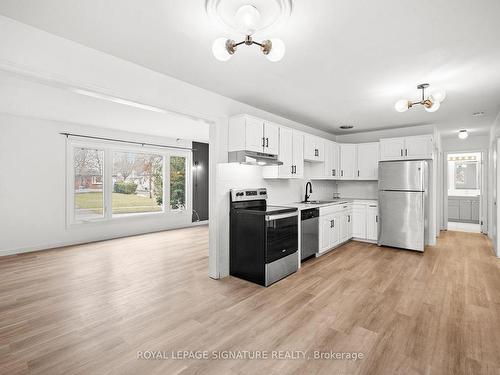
[33, 190]
[358, 189]
[472, 143]
[493, 184]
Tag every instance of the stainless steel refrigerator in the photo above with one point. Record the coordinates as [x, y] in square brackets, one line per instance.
[403, 188]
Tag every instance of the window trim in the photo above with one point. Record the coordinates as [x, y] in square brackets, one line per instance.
[109, 148]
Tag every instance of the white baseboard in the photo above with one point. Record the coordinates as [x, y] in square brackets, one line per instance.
[55, 245]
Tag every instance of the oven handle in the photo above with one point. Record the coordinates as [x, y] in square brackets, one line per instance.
[281, 216]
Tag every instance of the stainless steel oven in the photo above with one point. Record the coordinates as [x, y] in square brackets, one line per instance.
[263, 238]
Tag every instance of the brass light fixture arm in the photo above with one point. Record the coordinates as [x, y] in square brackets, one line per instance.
[265, 46]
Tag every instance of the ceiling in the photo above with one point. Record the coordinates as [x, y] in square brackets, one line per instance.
[347, 62]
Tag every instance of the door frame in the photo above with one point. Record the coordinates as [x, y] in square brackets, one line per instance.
[483, 175]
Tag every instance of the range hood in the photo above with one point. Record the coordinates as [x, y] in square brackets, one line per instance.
[253, 158]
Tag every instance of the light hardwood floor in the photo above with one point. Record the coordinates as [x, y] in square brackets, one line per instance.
[89, 309]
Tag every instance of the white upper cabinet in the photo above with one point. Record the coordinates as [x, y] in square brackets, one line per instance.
[298, 154]
[416, 147]
[271, 136]
[419, 147]
[367, 161]
[253, 134]
[348, 162]
[392, 148]
[290, 153]
[314, 148]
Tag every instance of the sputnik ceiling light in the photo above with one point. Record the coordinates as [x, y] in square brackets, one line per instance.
[431, 102]
[247, 18]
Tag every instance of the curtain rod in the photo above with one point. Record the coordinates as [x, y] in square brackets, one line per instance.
[124, 141]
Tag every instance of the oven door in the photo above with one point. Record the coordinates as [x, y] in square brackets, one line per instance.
[281, 235]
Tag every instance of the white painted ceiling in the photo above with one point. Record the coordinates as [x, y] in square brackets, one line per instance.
[347, 62]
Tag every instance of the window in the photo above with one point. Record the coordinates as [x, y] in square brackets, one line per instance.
[177, 182]
[137, 183]
[88, 187]
[108, 180]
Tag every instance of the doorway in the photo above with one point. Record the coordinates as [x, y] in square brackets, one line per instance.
[464, 192]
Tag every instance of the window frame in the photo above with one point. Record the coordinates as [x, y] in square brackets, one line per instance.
[109, 148]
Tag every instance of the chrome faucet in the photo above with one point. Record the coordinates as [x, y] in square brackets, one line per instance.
[306, 198]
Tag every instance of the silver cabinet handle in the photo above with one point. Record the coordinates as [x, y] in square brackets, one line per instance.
[267, 142]
[263, 141]
[406, 152]
[333, 172]
[401, 152]
[376, 218]
[281, 216]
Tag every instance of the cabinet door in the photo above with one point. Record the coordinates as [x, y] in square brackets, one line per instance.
[392, 148]
[271, 133]
[298, 154]
[285, 152]
[453, 209]
[465, 209]
[325, 229]
[319, 149]
[347, 162]
[335, 228]
[335, 161]
[254, 134]
[343, 220]
[475, 211]
[327, 164]
[359, 221]
[418, 147]
[349, 224]
[372, 223]
[309, 147]
[367, 161]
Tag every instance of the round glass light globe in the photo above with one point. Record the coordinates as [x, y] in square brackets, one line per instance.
[247, 19]
[434, 107]
[277, 50]
[219, 49]
[438, 94]
[401, 105]
[462, 134]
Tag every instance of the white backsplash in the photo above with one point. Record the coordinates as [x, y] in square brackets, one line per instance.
[233, 175]
[358, 189]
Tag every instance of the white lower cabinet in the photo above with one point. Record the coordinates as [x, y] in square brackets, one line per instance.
[335, 226]
[359, 220]
[372, 223]
[340, 223]
[365, 220]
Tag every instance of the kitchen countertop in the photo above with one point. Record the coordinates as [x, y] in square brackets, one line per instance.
[304, 206]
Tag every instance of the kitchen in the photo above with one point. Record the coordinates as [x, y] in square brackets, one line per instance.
[249, 186]
[329, 219]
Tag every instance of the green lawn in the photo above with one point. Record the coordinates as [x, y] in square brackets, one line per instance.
[122, 203]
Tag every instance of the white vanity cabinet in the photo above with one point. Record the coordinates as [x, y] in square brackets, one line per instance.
[407, 148]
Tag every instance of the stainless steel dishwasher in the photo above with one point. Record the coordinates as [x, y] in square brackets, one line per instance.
[309, 233]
